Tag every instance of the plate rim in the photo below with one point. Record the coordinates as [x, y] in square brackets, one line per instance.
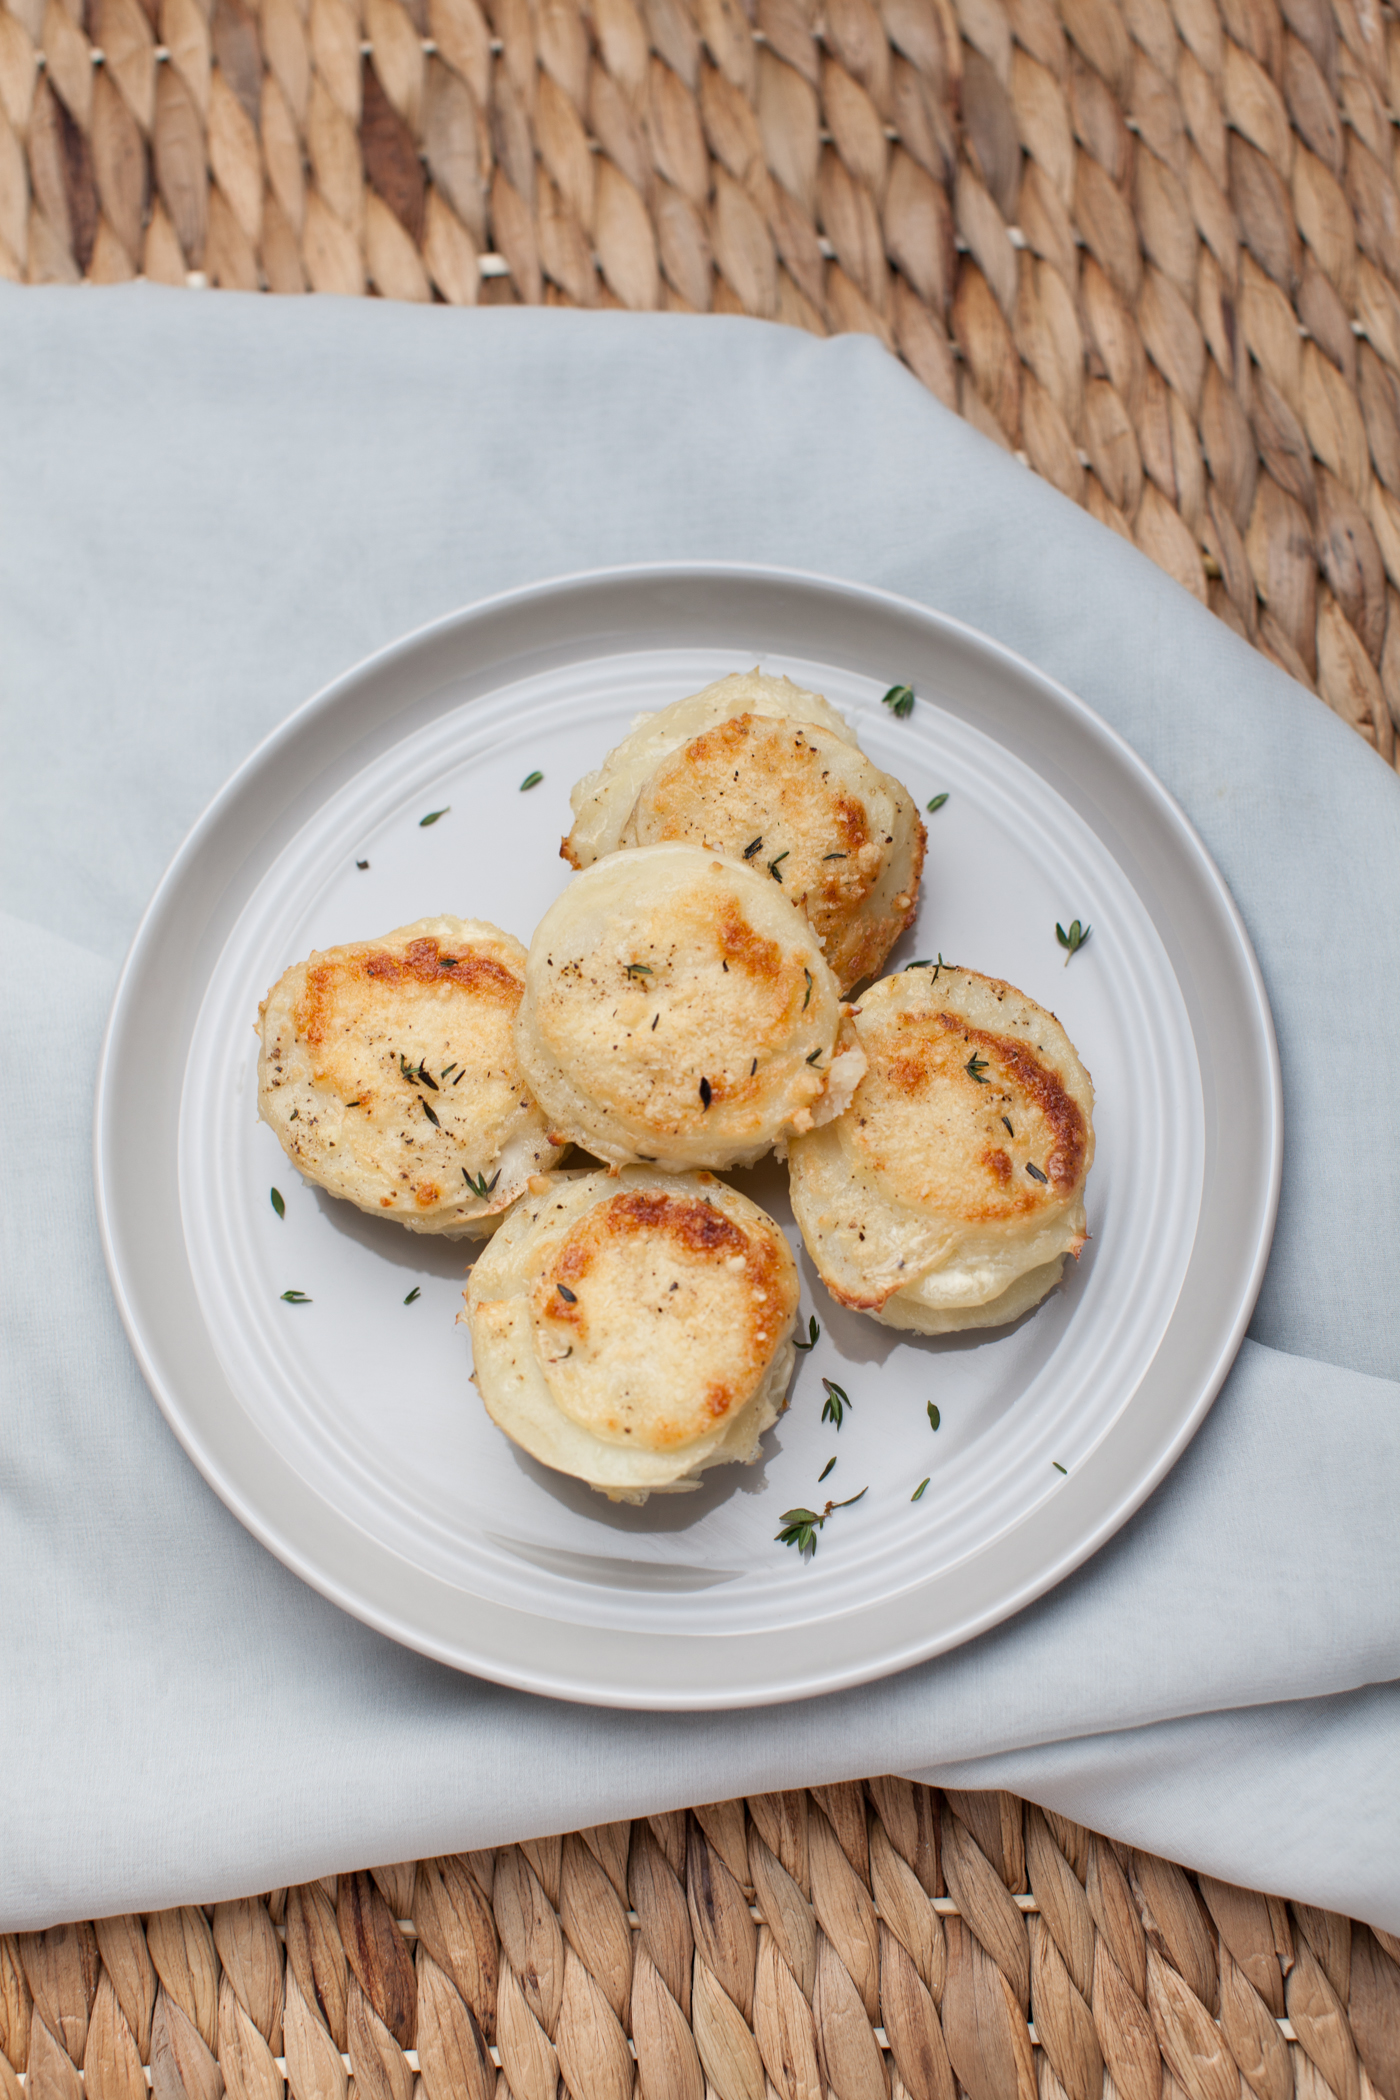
[584, 1689]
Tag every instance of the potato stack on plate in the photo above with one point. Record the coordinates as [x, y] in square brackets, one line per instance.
[741, 867]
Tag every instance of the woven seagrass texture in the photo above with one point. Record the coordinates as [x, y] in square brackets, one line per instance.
[1154, 249]
[863, 1942]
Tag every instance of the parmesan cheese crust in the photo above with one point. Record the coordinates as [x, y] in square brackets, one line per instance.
[634, 1329]
[757, 768]
[678, 1012]
[949, 1193]
[388, 1072]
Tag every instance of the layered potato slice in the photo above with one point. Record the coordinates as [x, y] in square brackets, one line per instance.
[760, 769]
[388, 1072]
[951, 1189]
[678, 1011]
[634, 1329]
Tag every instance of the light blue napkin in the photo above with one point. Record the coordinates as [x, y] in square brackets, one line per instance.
[211, 505]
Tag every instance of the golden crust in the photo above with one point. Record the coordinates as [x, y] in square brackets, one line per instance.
[755, 767]
[634, 1329]
[678, 1011]
[958, 1171]
[388, 1072]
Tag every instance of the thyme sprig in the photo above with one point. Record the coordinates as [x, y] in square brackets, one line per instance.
[976, 1068]
[813, 1335]
[926, 962]
[754, 846]
[774, 865]
[837, 1401]
[1074, 940]
[899, 700]
[481, 1186]
[416, 1292]
[278, 1202]
[800, 1526]
[417, 1075]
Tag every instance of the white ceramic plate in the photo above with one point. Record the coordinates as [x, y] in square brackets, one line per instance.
[344, 1432]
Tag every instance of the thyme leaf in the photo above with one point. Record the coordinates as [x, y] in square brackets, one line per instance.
[278, 1204]
[976, 1068]
[938, 801]
[706, 1093]
[481, 1186]
[934, 1417]
[815, 1055]
[807, 995]
[825, 1470]
[639, 970]
[1058, 1467]
[1007, 1121]
[800, 1526]
[837, 1401]
[431, 1113]
[774, 865]
[295, 1298]
[753, 847]
[416, 1292]
[569, 1297]
[920, 1488]
[531, 780]
[899, 700]
[813, 1335]
[1033, 1170]
[432, 816]
[836, 856]
[1074, 940]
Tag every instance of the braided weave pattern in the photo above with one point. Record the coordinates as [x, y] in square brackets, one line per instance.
[856, 1942]
[1152, 248]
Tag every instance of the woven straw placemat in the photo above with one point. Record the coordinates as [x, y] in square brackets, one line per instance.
[1154, 249]
[863, 1942]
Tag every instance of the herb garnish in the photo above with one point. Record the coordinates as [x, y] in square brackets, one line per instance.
[418, 1074]
[569, 1297]
[899, 700]
[362, 864]
[920, 1488]
[975, 1068]
[815, 1055]
[934, 1417]
[356, 1102]
[414, 1293]
[277, 1203]
[481, 1186]
[1058, 1467]
[807, 995]
[531, 780]
[432, 816]
[926, 962]
[1007, 1121]
[431, 1113]
[837, 1401]
[1033, 1170]
[774, 865]
[825, 1470]
[800, 1526]
[639, 970]
[295, 1298]
[706, 1093]
[753, 1068]
[1073, 940]
[836, 856]
[939, 800]
[813, 1334]
[752, 847]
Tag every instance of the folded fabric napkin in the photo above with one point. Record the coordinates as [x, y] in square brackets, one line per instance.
[213, 505]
